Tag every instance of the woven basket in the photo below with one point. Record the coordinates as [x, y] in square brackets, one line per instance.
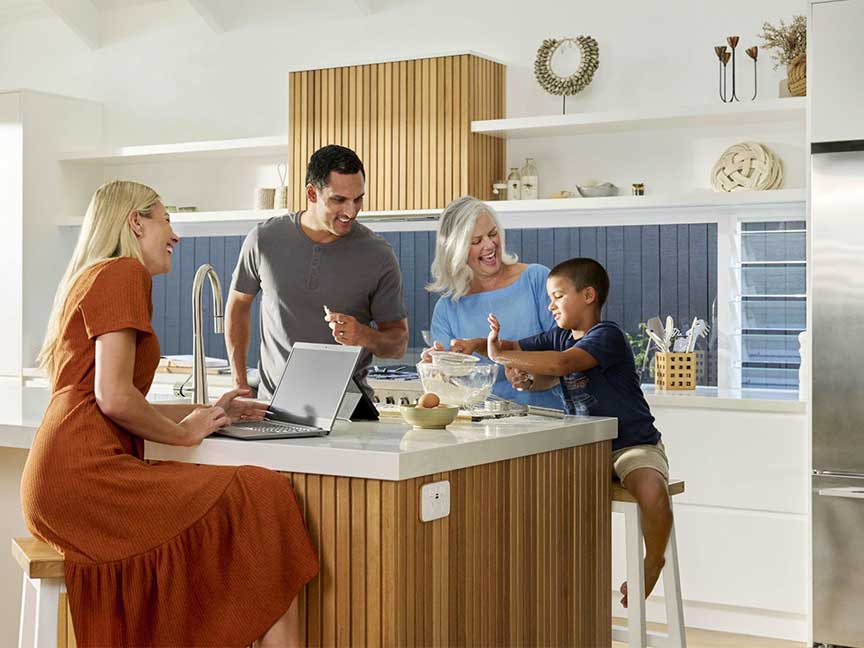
[797, 73]
[747, 166]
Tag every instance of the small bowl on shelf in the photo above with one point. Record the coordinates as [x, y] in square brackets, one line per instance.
[597, 191]
[429, 418]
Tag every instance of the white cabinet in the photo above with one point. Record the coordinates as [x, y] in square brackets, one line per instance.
[836, 50]
[36, 193]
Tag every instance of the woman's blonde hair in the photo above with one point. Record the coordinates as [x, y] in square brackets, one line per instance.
[105, 234]
[451, 274]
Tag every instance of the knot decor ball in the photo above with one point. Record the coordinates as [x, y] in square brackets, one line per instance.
[747, 167]
[554, 84]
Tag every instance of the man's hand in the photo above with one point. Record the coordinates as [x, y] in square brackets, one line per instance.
[346, 329]
[521, 380]
[493, 343]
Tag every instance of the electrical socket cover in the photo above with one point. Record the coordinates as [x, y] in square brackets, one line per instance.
[434, 501]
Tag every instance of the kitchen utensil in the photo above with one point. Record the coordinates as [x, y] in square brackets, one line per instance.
[680, 345]
[699, 329]
[668, 331]
[658, 341]
[655, 326]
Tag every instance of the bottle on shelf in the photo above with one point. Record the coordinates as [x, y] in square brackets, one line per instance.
[514, 184]
[529, 180]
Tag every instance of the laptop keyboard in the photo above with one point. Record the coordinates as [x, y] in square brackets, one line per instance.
[266, 427]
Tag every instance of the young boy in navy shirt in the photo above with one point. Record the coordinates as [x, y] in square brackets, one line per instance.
[594, 364]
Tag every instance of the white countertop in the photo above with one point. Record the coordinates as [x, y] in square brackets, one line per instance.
[392, 450]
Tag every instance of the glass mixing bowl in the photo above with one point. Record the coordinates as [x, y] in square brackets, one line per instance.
[458, 383]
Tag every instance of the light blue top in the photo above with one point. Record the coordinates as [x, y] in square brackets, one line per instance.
[522, 309]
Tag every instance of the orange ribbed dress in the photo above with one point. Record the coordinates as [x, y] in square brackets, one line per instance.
[170, 554]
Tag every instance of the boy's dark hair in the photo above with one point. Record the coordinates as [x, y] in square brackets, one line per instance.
[332, 158]
[584, 272]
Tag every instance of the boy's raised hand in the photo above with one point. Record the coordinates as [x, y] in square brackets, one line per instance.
[493, 343]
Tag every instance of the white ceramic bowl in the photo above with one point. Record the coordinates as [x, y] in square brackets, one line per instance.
[598, 191]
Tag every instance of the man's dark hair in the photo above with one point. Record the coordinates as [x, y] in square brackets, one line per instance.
[332, 158]
[583, 272]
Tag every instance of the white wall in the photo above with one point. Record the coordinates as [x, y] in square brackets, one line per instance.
[165, 76]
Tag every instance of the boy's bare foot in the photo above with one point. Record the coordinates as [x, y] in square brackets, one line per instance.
[652, 575]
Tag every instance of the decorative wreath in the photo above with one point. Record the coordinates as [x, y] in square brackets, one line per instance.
[576, 82]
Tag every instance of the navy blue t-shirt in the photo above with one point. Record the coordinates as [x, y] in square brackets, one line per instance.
[609, 389]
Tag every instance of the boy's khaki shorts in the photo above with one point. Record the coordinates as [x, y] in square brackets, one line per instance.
[629, 459]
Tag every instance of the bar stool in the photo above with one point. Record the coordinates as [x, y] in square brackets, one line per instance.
[636, 634]
[44, 623]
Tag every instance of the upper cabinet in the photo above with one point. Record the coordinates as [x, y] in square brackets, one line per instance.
[836, 50]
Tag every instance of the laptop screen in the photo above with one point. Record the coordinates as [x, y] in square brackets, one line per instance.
[313, 384]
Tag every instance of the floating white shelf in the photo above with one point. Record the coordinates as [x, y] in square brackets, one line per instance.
[596, 211]
[772, 110]
[247, 147]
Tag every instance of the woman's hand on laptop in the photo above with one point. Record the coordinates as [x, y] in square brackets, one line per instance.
[240, 409]
[201, 423]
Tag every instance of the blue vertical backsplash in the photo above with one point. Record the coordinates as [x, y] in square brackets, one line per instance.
[654, 270]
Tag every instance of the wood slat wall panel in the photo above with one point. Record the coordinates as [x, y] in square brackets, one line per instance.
[523, 559]
[410, 122]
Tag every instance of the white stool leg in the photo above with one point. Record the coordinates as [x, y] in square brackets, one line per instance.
[637, 632]
[47, 606]
[672, 591]
[27, 626]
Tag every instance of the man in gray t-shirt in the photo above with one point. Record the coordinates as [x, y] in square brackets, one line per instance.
[320, 257]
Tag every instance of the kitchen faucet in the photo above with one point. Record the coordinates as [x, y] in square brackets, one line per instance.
[199, 363]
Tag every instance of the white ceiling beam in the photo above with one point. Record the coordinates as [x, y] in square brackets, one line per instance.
[82, 17]
[208, 15]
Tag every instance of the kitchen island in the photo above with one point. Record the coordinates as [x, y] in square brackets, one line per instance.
[522, 558]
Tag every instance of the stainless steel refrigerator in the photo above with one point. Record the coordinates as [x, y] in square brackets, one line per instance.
[837, 297]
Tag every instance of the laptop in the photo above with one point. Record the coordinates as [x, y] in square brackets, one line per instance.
[309, 395]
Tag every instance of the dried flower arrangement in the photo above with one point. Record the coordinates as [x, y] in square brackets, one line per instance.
[788, 41]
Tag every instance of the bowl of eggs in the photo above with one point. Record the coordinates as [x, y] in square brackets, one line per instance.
[429, 413]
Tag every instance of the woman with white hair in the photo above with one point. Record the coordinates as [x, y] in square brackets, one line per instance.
[475, 276]
[166, 554]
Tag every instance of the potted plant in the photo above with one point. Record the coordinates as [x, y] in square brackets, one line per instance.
[789, 43]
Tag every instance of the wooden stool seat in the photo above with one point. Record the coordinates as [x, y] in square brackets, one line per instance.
[636, 634]
[621, 494]
[38, 559]
[44, 622]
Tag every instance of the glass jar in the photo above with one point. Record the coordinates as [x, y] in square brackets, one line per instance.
[529, 180]
[638, 189]
[514, 184]
[499, 191]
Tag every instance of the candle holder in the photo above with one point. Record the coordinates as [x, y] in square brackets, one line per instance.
[722, 57]
[733, 43]
[753, 53]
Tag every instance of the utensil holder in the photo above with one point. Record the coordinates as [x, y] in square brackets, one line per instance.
[675, 371]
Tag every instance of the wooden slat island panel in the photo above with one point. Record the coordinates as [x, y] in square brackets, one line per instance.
[523, 559]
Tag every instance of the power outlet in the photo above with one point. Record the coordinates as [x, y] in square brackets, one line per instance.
[434, 501]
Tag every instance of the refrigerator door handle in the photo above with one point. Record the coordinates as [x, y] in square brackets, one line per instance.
[847, 492]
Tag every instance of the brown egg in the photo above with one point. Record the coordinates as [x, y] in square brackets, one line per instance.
[428, 400]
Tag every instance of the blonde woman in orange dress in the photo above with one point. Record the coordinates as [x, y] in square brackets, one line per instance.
[167, 554]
